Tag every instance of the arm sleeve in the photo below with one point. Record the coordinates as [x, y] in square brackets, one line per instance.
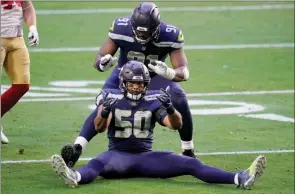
[160, 115]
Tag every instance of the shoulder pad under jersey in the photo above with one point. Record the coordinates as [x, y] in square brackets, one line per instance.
[152, 95]
[121, 30]
[112, 93]
[170, 36]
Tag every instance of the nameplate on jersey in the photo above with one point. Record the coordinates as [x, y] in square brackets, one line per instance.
[121, 37]
[168, 44]
[151, 97]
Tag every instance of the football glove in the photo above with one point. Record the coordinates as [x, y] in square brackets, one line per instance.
[165, 99]
[162, 69]
[71, 153]
[33, 36]
[107, 105]
[106, 62]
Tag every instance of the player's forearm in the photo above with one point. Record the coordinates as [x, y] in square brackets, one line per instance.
[175, 120]
[181, 74]
[29, 14]
[100, 123]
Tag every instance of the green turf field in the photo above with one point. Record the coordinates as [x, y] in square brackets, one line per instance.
[52, 113]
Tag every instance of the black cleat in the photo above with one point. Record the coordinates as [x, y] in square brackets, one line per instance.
[71, 153]
[189, 153]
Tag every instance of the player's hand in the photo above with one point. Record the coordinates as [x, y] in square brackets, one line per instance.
[107, 105]
[165, 99]
[33, 36]
[107, 61]
[162, 69]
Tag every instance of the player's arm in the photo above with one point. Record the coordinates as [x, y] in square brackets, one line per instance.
[173, 120]
[31, 21]
[104, 58]
[179, 71]
[180, 65]
[104, 115]
[101, 123]
[171, 117]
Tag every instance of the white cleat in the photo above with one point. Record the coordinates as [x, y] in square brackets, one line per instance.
[249, 176]
[68, 175]
[4, 139]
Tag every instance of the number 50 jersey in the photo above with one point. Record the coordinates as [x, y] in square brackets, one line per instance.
[133, 122]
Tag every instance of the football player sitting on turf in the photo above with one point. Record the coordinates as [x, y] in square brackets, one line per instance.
[142, 37]
[130, 115]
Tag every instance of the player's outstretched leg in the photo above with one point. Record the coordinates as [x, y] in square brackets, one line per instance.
[248, 177]
[68, 175]
[167, 164]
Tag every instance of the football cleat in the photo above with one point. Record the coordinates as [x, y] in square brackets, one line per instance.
[248, 177]
[189, 153]
[4, 139]
[71, 153]
[68, 175]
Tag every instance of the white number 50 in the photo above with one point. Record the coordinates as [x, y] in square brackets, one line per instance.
[140, 127]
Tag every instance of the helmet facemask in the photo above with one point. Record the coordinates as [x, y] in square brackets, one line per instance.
[135, 90]
[142, 35]
[134, 80]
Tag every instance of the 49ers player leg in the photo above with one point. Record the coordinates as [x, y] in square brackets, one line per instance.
[17, 66]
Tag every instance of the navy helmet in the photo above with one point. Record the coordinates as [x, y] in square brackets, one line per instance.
[145, 22]
[134, 71]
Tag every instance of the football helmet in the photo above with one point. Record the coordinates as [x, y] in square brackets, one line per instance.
[134, 72]
[145, 22]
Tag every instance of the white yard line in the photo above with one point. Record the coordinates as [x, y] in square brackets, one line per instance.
[242, 93]
[197, 153]
[186, 47]
[169, 9]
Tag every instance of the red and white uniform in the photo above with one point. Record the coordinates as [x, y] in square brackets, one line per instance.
[11, 19]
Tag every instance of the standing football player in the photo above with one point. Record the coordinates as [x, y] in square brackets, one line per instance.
[14, 53]
[142, 37]
[130, 115]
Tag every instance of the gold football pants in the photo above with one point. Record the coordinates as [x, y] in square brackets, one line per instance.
[15, 59]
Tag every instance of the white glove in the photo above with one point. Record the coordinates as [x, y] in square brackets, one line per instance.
[33, 36]
[162, 69]
[107, 61]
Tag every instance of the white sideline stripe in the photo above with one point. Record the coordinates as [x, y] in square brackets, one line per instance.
[186, 47]
[197, 153]
[188, 95]
[168, 9]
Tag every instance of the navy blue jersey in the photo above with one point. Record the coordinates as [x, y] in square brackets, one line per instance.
[133, 122]
[170, 39]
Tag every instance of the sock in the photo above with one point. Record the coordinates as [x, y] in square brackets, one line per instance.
[187, 145]
[82, 141]
[237, 179]
[12, 96]
[78, 176]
